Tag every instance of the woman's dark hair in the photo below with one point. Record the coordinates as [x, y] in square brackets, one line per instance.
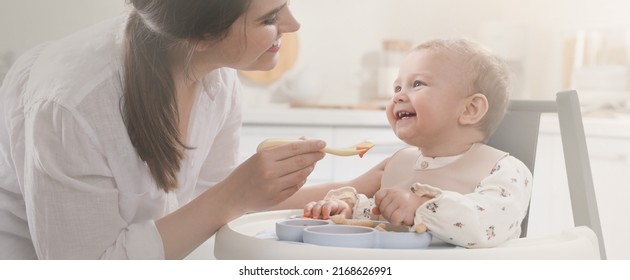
[149, 102]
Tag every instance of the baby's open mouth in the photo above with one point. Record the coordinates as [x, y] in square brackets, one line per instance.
[404, 115]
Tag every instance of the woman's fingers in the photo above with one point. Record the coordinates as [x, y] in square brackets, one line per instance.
[358, 149]
[291, 158]
[271, 176]
[292, 148]
[289, 165]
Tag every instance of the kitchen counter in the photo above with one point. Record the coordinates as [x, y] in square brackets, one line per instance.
[618, 126]
[315, 117]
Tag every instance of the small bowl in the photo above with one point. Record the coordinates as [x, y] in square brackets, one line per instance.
[340, 236]
[399, 237]
[403, 240]
[292, 229]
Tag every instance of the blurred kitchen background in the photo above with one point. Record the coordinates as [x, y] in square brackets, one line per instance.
[550, 45]
[345, 48]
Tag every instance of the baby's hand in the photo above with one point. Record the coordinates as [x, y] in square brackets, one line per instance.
[323, 209]
[398, 206]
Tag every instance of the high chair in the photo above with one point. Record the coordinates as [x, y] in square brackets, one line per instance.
[518, 135]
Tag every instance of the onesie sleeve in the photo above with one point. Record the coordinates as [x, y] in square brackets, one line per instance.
[362, 210]
[361, 204]
[486, 217]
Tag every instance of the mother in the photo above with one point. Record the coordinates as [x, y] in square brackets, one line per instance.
[121, 141]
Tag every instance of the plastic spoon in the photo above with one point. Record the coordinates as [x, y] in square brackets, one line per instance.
[358, 149]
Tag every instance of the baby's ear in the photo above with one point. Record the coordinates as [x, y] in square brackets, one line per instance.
[476, 107]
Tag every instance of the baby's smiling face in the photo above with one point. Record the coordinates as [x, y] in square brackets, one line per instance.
[429, 96]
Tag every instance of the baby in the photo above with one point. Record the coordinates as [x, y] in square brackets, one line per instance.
[449, 97]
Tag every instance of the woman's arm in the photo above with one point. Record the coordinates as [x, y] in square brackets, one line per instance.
[265, 179]
[79, 208]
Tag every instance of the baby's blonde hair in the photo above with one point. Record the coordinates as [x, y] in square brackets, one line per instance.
[488, 75]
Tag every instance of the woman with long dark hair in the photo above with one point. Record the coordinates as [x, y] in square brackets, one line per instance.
[121, 141]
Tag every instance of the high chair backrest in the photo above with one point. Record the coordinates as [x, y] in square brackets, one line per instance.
[518, 135]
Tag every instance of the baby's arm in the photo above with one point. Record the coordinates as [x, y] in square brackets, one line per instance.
[484, 218]
[398, 206]
[343, 201]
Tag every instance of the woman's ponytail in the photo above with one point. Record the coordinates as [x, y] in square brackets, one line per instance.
[154, 30]
[150, 105]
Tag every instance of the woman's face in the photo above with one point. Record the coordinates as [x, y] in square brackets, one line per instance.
[255, 38]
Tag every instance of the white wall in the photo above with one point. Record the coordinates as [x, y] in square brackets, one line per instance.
[27, 23]
[340, 38]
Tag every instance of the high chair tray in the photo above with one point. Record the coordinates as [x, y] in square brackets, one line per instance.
[251, 237]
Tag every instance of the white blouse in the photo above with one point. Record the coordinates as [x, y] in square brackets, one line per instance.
[71, 183]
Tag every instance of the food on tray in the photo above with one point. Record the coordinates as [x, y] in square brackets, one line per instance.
[380, 226]
[338, 219]
[359, 149]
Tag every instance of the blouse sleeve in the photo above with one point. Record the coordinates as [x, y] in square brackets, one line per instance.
[486, 217]
[224, 153]
[70, 194]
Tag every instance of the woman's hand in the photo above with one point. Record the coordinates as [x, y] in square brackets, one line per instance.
[272, 175]
[398, 206]
[323, 209]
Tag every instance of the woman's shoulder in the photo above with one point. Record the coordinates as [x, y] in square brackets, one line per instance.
[224, 77]
[222, 84]
[68, 70]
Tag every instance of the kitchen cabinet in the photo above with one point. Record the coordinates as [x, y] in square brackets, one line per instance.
[608, 143]
[611, 176]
